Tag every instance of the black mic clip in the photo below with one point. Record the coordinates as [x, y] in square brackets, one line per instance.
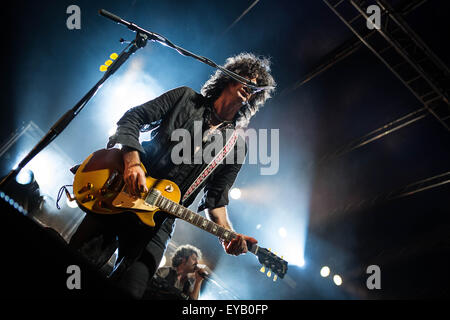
[141, 39]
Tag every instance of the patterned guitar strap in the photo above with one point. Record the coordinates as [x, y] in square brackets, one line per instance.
[212, 165]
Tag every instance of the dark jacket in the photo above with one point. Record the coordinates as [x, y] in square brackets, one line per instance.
[177, 109]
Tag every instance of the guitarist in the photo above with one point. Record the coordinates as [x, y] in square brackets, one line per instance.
[223, 104]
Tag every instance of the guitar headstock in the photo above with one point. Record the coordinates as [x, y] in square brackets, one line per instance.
[270, 262]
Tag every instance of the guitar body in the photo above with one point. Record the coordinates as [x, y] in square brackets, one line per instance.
[99, 187]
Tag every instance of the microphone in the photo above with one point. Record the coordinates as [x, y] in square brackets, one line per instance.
[251, 90]
[111, 16]
[203, 273]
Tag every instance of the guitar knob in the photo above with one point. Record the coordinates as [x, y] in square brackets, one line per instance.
[89, 197]
[262, 269]
[86, 187]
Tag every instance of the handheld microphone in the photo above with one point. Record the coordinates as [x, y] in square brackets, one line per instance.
[202, 273]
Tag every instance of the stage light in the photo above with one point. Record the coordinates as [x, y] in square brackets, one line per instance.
[24, 190]
[25, 176]
[293, 253]
[337, 280]
[301, 262]
[235, 193]
[13, 203]
[133, 87]
[282, 232]
[325, 271]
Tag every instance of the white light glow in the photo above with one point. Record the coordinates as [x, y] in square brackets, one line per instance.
[292, 253]
[337, 280]
[301, 262]
[325, 271]
[123, 92]
[112, 131]
[25, 176]
[49, 168]
[235, 193]
[163, 262]
[71, 204]
[282, 232]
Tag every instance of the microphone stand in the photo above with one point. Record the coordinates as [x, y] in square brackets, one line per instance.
[165, 42]
[142, 36]
[63, 122]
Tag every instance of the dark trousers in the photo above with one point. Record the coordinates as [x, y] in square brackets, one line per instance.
[140, 247]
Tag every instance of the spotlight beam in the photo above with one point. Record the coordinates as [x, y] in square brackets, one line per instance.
[64, 121]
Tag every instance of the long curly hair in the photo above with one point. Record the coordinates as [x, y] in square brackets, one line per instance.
[246, 65]
[184, 251]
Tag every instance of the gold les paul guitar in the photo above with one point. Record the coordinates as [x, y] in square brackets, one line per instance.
[99, 188]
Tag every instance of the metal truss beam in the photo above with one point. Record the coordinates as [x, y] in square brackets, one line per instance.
[404, 53]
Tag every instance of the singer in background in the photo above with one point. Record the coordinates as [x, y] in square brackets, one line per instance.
[182, 280]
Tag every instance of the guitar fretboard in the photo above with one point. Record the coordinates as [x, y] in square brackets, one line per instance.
[193, 218]
[184, 213]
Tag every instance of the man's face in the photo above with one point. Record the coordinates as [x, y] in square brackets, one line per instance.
[191, 263]
[238, 93]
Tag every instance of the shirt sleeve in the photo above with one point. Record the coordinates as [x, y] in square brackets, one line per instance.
[162, 272]
[191, 281]
[131, 123]
[218, 186]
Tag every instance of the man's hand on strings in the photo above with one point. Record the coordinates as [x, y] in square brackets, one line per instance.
[133, 174]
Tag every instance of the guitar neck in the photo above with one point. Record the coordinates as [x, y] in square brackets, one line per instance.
[197, 220]
[265, 257]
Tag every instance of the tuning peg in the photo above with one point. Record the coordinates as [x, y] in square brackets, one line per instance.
[262, 269]
[275, 277]
[269, 273]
